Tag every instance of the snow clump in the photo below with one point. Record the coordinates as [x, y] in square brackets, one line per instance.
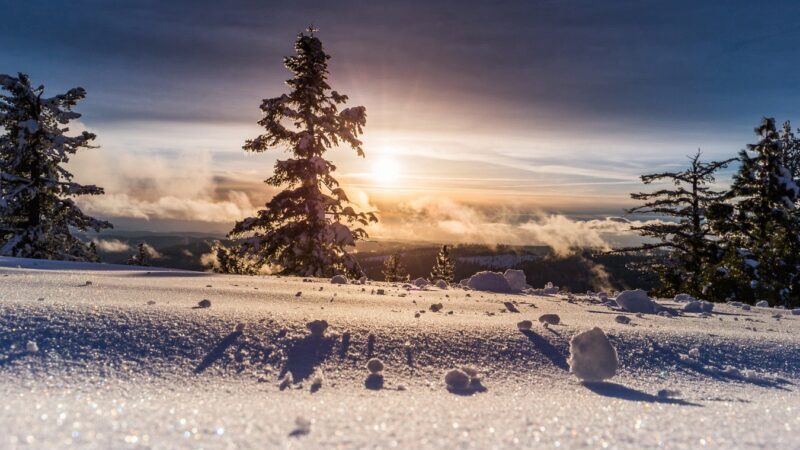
[636, 301]
[490, 282]
[684, 298]
[516, 279]
[339, 279]
[592, 357]
[441, 284]
[763, 304]
[525, 325]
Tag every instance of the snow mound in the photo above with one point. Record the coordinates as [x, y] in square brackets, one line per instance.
[516, 279]
[441, 284]
[636, 301]
[684, 298]
[551, 319]
[420, 282]
[592, 357]
[339, 279]
[490, 282]
[796, 312]
[763, 304]
[698, 307]
[524, 325]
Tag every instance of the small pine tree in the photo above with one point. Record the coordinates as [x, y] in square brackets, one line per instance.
[37, 209]
[301, 230]
[141, 258]
[393, 269]
[686, 247]
[444, 266]
[231, 261]
[760, 226]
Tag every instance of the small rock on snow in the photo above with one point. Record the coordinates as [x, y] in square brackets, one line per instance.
[592, 357]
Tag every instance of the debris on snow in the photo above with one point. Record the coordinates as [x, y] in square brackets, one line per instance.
[31, 347]
[550, 319]
[524, 325]
[516, 279]
[592, 357]
[339, 279]
[436, 307]
[380, 291]
[636, 301]
[205, 303]
[490, 282]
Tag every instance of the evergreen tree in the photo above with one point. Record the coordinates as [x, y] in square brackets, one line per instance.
[444, 266]
[230, 260]
[37, 208]
[141, 258]
[393, 269]
[760, 226]
[790, 150]
[684, 247]
[301, 230]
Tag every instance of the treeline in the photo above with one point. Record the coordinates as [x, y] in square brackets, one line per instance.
[741, 243]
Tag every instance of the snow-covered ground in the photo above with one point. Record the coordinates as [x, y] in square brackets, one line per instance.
[129, 360]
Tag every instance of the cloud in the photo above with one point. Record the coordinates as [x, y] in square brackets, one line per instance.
[444, 220]
[152, 252]
[111, 245]
[160, 184]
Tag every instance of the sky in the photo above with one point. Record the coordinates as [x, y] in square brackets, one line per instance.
[486, 121]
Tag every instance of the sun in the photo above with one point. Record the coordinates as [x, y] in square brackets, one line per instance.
[385, 171]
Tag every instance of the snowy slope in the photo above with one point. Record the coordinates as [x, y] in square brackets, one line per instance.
[130, 361]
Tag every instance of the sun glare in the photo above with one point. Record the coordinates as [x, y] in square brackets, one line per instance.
[385, 171]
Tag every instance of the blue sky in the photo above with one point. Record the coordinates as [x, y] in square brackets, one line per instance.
[514, 109]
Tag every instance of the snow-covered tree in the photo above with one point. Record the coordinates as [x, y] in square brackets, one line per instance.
[231, 260]
[790, 150]
[444, 266]
[393, 269]
[37, 210]
[306, 228]
[760, 226]
[683, 246]
[141, 257]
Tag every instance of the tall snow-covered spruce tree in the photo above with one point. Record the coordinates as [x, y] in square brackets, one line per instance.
[37, 209]
[684, 246]
[760, 225]
[444, 266]
[306, 229]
